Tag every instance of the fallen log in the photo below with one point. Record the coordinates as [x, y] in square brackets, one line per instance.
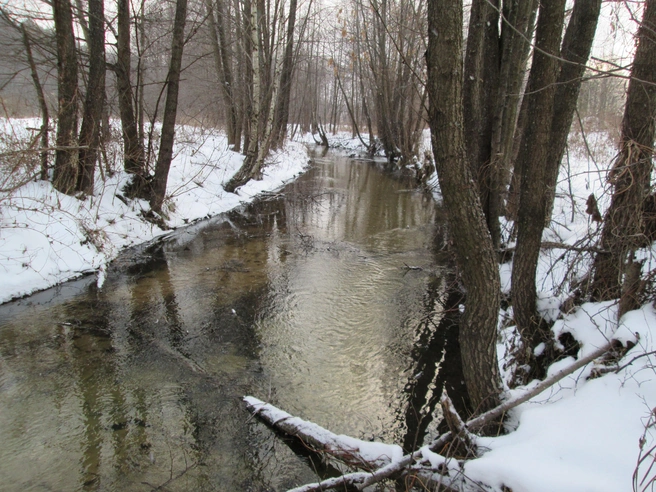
[365, 455]
[390, 462]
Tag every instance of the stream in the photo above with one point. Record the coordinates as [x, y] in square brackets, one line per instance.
[329, 299]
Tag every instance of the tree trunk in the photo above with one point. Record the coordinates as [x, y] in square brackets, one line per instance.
[66, 169]
[481, 80]
[133, 152]
[246, 170]
[284, 95]
[517, 31]
[475, 256]
[223, 66]
[532, 162]
[158, 185]
[95, 97]
[577, 44]
[43, 105]
[631, 173]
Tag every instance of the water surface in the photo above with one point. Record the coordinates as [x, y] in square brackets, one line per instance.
[304, 299]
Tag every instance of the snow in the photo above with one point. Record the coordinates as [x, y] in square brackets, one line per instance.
[581, 436]
[47, 237]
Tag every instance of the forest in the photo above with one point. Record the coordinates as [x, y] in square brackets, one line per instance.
[489, 103]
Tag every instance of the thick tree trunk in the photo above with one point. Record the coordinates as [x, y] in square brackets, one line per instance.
[517, 31]
[66, 169]
[631, 173]
[43, 105]
[158, 185]
[532, 158]
[133, 152]
[577, 44]
[95, 98]
[475, 256]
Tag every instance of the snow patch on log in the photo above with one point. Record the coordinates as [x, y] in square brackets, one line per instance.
[351, 450]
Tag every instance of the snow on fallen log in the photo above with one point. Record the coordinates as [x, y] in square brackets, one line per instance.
[354, 452]
[386, 461]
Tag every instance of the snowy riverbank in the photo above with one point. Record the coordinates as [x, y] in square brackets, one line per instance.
[583, 434]
[47, 237]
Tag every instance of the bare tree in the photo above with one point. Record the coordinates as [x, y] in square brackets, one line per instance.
[223, 62]
[133, 151]
[95, 97]
[574, 53]
[475, 256]
[532, 163]
[482, 65]
[165, 156]
[284, 94]
[43, 105]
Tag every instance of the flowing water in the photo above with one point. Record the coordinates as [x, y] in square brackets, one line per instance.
[304, 299]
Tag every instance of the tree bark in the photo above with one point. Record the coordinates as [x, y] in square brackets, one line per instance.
[158, 185]
[631, 174]
[66, 168]
[532, 162]
[481, 80]
[95, 98]
[133, 151]
[248, 168]
[516, 34]
[472, 243]
[223, 66]
[285, 90]
[576, 47]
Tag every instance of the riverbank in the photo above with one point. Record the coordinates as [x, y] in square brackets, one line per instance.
[47, 238]
[591, 431]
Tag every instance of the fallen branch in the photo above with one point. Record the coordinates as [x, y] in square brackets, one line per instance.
[457, 427]
[448, 471]
[498, 411]
[354, 452]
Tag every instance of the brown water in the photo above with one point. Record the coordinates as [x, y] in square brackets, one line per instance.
[302, 299]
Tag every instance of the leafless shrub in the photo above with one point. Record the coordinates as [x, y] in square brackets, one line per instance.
[19, 156]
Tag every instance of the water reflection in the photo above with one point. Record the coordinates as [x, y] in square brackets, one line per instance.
[303, 300]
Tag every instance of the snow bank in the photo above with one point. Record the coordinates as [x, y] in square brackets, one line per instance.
[47, 237]
[584, 434]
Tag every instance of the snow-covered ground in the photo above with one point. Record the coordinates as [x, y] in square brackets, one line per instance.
[583, 434]
[47, 237]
